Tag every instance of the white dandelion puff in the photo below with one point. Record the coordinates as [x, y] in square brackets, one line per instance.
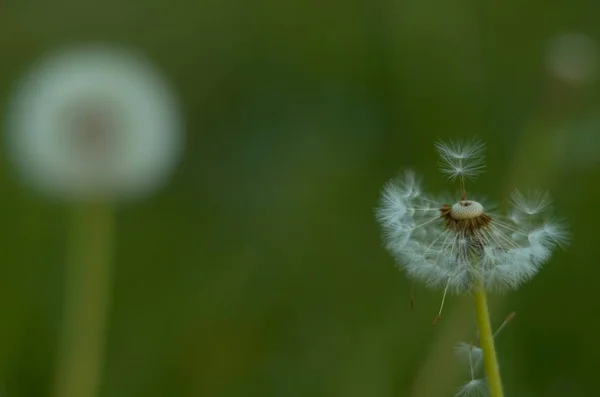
[464, 160]
[94, 122]
[458, 245]
[473, 388]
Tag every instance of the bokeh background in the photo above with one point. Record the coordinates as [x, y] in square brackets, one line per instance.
[258, 270]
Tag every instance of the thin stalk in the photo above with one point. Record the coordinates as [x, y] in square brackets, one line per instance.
[486, 340]
[85, 307]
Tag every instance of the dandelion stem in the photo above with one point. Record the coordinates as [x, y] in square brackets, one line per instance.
[85, 302]
[486, 340]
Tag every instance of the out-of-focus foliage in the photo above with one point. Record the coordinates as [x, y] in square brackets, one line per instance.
[258, 271]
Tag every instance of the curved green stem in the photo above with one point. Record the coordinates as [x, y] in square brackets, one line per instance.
[486, 339]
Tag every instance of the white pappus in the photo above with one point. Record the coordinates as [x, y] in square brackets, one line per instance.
[94, 122]
[459, 245]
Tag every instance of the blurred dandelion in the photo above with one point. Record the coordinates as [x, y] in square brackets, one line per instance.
[572, 57]
[94, 122]
[463, 248]
[92, 125]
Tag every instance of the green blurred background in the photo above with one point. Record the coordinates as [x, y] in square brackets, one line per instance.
[258, 270]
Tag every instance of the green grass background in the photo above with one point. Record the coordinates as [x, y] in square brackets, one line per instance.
[258, 270]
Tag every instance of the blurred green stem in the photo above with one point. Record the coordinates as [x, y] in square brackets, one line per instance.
[486, 339]
[85, 308]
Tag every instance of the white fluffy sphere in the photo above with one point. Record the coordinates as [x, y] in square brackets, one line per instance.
[94, 123]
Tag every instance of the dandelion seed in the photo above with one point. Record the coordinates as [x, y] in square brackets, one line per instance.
[463, 160]
[455, 245]
[473, 388]
[504, 323]
[532, 204]
[472, 354]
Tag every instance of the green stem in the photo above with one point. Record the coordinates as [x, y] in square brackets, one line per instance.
[85, 309]
[486, 339]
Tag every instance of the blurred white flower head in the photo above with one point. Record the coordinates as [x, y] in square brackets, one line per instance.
[459, 245]
[94, 123]
[572, 57]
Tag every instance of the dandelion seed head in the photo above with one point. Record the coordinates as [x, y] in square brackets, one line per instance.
[92, 122]
[457, 246]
